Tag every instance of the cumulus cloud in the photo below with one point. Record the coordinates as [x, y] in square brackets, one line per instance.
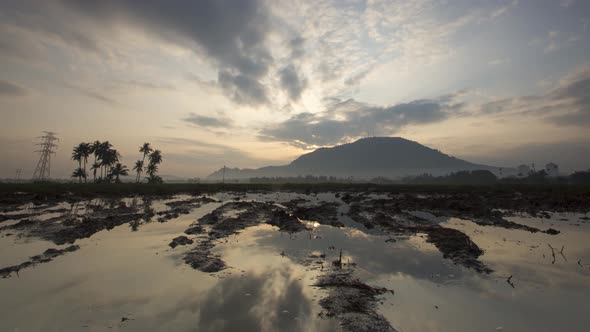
[232, 33]
[11, 89]
[349, 119]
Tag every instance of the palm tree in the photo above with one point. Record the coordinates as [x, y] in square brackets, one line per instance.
[77, 155]
[84, 151]
[94, 168]
[155, 157]
[79, 173]
[146, 149]
[138, 168]
[118, 170]
[109, 158]
[151, 169]
[103, 151]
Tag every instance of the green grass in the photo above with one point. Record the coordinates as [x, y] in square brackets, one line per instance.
[190, 188]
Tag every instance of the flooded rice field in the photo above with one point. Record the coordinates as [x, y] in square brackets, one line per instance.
[281, 261]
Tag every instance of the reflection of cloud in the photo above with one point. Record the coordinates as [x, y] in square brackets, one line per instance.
[370, 253]
[256, 303]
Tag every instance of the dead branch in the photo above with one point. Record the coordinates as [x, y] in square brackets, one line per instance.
[509, 281]
[552, 253]
[561, 253]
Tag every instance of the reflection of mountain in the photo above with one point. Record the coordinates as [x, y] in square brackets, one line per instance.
[368, 157]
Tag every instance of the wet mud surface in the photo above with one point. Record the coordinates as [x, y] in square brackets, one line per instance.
[66, 220]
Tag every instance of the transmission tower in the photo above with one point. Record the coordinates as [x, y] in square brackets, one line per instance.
[19, 171]
[48, 146]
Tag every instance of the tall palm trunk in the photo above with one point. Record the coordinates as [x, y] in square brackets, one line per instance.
[139, 171]
[85, 159]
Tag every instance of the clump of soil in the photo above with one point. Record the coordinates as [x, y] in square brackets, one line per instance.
[392, 215]
[456, 246]
[201, 258]
[286, 222]
[180, 241]
[182, 207]
[326, 213]
[67, 228]
[353, 302]
[45, 257]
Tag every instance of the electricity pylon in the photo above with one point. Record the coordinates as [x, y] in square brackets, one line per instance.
[48, 146]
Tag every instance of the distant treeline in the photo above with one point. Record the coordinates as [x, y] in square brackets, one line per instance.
[477, 177]
[484, 177]
[302, 179]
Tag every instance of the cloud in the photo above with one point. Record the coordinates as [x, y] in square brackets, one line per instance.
[201, 157]
[8, 89]
[243, 89]
[231, 33]
[292, 83]
[568, 104]
[206, 121]
[92, 94]
[147, 85]
[349, 119]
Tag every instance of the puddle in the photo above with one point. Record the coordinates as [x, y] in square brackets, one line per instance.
[128, 278]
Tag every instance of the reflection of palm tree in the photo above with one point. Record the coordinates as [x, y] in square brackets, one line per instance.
[79, 173]
[119, 170]
[138, 168]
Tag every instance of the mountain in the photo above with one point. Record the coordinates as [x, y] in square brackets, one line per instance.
[391, 157]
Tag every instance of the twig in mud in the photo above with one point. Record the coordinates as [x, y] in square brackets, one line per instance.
[509, 281]
[552, 253]
[561, 253]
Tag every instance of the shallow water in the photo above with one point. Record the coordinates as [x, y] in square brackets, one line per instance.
[268, 286]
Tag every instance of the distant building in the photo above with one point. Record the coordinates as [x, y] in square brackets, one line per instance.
[523, 170]
[552, 169]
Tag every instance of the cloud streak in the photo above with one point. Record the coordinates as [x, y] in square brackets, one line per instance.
[8, 89]
[207, 121]
[568, 104]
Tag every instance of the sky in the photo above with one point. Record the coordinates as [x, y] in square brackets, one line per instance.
[250, 83]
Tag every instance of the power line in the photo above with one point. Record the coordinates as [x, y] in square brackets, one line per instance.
[48, 147]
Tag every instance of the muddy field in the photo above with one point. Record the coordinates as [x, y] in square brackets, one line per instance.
[293, 261]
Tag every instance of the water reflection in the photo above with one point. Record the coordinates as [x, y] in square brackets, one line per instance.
[270, 301]
[119, 273]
